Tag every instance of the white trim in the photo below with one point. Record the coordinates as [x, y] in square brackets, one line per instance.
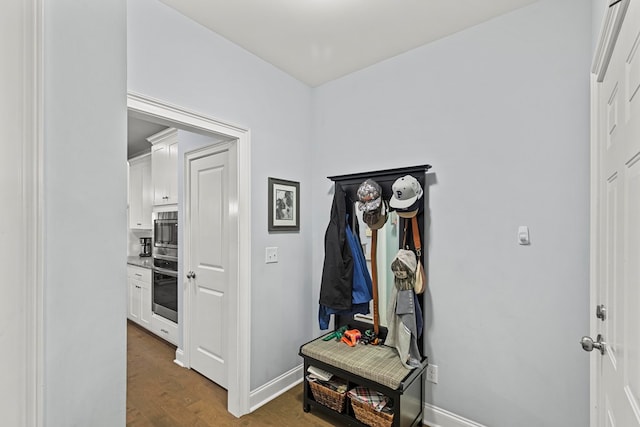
[33, 199]
[179, 360]
[593, 251]
[438, 417]
[276, 387]
[139, 157]
[151, 107]
[164, 135]
[240, 349]
[612, 22]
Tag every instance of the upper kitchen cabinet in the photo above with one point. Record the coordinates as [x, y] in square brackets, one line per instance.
[164, 166]
[140, 193]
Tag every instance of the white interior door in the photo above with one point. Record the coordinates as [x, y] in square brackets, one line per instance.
[617, 208]
[209, 264]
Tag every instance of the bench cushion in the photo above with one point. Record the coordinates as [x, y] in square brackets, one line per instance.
[377, 363]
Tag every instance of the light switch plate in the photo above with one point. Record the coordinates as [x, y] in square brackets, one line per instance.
[523, 235]
[271, 255]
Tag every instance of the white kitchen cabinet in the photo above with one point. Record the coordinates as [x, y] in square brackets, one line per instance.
[139, 306]
[140, 193]
[165, 329]
[164, 166]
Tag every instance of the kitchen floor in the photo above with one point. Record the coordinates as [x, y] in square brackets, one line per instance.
[160, 393]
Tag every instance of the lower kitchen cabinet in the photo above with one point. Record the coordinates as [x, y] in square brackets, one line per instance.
[165, 329]
[139, 306]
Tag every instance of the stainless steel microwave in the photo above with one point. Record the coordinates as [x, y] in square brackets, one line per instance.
[165, 230]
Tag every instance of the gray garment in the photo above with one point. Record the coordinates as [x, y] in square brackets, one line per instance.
[402, 329]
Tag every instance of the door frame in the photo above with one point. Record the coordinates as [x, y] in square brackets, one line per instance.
[239, 315]
[610, 29]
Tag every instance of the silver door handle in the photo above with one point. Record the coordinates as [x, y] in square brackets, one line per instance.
[588, 344]
[191, 275]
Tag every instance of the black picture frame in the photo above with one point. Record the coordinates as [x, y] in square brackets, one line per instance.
[284, 205]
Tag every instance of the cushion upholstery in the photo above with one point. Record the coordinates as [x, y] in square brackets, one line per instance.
[377, 363]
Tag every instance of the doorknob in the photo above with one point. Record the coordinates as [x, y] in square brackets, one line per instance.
[191, 275]
[588, 344]
[601, 312]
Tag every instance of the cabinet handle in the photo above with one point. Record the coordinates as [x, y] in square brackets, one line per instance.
[138, 223]
[137, 286]
[164, 330]
[138, 274]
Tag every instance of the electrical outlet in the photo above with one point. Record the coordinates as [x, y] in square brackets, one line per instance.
[271, 255]
[432, 373]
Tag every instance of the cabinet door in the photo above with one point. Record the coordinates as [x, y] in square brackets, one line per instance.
[147, 194]
[172, 173]
[135, 196]
[159, 165]
[140, 197]
[145, 305]
[164, 166]
[135, 291]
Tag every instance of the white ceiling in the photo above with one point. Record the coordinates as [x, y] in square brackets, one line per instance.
[317, 41]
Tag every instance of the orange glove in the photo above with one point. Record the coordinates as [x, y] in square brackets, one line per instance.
[351, 337]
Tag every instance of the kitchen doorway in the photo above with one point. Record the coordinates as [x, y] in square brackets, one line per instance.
[238, 336]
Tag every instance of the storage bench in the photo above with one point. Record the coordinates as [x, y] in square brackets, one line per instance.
[376, 367]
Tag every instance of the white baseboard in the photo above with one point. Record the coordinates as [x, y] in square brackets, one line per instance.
[179, 360]
[438, 417]
[275, 388]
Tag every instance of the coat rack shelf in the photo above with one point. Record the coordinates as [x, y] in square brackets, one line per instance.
[385, 178]
[358, 366]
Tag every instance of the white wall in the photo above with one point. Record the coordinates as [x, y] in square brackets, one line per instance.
[502, 113]
[176, 60]
[85, 204]
[14, 118]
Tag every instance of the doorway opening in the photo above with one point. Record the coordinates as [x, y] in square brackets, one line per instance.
[164, 115]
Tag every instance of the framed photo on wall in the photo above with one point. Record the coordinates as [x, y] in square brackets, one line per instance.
[284, 205]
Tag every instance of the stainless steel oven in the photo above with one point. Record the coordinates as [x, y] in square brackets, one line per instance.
[165, 288]
[164, 291]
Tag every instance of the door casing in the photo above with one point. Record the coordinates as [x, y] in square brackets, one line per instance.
[239, 315]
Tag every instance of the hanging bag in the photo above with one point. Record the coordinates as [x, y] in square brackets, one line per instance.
[421, 277]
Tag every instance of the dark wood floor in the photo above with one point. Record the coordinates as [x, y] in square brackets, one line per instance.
[160, 393]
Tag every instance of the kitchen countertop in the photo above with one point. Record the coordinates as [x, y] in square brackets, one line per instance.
[144, 262]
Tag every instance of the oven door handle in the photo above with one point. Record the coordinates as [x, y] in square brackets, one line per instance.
[165, 271]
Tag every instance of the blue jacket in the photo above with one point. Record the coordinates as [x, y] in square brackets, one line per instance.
[361, 287]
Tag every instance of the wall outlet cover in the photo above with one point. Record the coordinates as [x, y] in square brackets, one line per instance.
[271, 255]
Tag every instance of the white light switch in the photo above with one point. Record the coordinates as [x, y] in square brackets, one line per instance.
[271, 255]
[523, 235]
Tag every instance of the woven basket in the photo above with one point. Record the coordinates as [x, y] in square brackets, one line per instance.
[366, 414]
[327, 397]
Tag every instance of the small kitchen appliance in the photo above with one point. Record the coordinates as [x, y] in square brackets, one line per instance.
[145, 246]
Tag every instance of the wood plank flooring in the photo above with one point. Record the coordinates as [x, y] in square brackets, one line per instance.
[162, 394]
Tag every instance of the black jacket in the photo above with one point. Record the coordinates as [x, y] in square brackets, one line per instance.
[337, 272]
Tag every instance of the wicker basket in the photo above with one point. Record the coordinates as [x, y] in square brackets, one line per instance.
[327, 397]
[366, 414]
